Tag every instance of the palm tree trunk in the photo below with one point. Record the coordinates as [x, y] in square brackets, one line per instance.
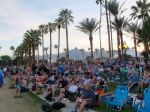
[91, 45]
[135, 46]
[58, 42]
[50, 47]
[67, 44]
[121, 38]
[108, 30]
[112, 53]
[38, 54]
[118, 39]
[43, 45]
[100, 29]
[29, 55]
[33, 54]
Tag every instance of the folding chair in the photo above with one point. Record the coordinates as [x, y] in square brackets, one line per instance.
[145, 102]
[120, 98]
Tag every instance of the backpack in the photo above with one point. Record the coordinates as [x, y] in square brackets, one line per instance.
[46, 108]
[33, 87]
[58, 105]
[49, 96]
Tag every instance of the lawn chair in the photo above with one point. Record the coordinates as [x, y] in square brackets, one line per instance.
[120, 98]
[145, 102]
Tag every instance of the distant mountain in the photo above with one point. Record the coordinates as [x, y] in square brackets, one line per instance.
[78, 55]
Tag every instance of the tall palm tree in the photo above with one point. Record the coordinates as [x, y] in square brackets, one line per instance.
[67, 17]
[82, 51]
[141, 10]
[116, 10]
[58, 23]
[42, 29]
[46, 49]
[122, 24]
[99, 2]
[89, 26]
[12, 49]
[109, 44]
[32, 38]
[75, 53]
[96, 50]
[132, 29]
[56, 48]
[51, 27]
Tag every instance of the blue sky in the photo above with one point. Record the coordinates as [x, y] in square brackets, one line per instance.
[17, 16]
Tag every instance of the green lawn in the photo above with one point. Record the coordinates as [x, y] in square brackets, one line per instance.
[103, 105]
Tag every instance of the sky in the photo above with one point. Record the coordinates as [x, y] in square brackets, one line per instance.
[18, 16]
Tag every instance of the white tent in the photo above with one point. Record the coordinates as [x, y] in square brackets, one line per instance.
[129, 52]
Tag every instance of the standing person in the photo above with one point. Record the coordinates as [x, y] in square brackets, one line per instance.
[33, 69]
[1, 78]
[17, 81]
[27, 76]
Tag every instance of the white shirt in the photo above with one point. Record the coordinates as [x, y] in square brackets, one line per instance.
[52, 78]
[73, 88]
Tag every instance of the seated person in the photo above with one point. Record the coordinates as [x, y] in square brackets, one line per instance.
[145, 81]
[61, 84]
[131, 72]
[100, 83]
[41, 80]
[134, 81]
[84, 82]
[115, 71]
[64, 92]
[87, 97]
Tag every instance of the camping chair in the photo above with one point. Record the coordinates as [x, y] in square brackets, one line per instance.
[145, 102]
[120, 97]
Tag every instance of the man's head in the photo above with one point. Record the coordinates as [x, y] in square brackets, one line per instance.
[87, 86]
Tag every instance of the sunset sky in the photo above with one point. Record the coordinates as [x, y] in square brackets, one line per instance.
[17, 16]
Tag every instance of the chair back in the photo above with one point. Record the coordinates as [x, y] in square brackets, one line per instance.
[121, 93]
[147, 98]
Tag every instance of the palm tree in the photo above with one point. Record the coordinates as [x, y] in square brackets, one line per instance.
[89, 26]
[32, 38]
[132, 29]
[58, 23]
[42, 29]
[96, 50]
[122, 24]
[12, 49]
[102, 51]
[51, 27]
[56, 47]
[82, 51]
[109, 44]
[141, 10]
[46, 49]
[99, 2]
[67, 17]
[116, 10]
[75, 52]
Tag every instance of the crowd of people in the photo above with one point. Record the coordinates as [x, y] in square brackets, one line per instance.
[84, 78]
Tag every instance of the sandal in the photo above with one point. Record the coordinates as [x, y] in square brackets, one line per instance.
[19, 97]
[15, 96]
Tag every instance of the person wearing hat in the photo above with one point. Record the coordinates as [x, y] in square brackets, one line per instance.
[87, 97]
